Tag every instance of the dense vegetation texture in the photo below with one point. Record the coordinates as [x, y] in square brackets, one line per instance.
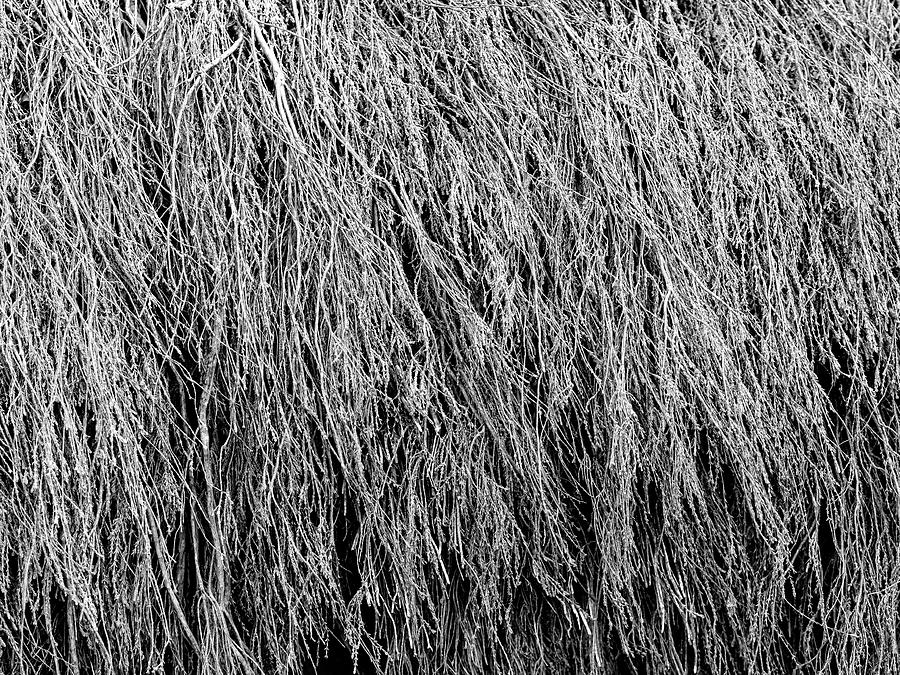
[449, 337]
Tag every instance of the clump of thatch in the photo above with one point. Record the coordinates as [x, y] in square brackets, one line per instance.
[449, 337]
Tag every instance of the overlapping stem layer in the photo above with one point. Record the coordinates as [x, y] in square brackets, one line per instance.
[548, 337]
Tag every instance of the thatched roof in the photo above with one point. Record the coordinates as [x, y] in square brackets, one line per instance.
[449, 337]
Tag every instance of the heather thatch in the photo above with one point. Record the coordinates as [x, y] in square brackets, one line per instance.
[450, 337]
